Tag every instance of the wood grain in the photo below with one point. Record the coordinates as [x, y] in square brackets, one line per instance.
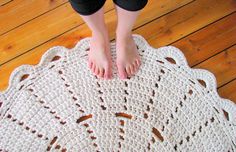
[64, 19]
[4, 2]
[186, 20]
[228, 91]
[222, 65]
[211, 40]
[39, 30]
[17, 12]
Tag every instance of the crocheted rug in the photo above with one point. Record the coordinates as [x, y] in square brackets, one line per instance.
[59, 105]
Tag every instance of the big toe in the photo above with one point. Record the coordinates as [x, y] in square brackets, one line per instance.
[122, 71]
[108, 72]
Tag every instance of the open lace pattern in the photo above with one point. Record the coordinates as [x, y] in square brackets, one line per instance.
[59, 105]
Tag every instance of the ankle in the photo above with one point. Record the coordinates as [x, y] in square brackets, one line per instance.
[98, 34]
[102, 31]
[123, 36]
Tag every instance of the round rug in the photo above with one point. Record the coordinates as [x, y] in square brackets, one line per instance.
[59, 105]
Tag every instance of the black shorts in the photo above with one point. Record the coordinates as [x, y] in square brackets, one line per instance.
[88, 7]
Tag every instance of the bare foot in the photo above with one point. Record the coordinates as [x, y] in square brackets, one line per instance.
[128, 60]
[99, 56]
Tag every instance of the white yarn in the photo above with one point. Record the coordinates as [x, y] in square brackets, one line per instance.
[62, 106]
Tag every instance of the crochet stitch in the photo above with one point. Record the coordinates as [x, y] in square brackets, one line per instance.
[59, 105]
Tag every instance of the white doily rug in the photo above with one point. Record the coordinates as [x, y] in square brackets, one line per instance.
[59, 105]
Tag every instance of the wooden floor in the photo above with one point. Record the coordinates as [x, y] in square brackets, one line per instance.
[205, 30]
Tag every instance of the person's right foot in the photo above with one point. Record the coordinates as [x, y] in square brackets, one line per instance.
[99, 56]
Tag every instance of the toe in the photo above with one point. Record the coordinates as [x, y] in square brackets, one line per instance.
[93, 68]
[128, 70]
[138, 62]
[131, 69]
[101, 72]
[122, 71]
[135, 68]
[90, 64]
[96, 70]
[108, 72]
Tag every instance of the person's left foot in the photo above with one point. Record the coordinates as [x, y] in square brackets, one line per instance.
[128, 59]
[100, 61]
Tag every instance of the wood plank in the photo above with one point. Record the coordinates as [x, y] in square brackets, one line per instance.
[4, 2]
[15, 13]
[228, 91]
[33, 57]
[48, 26]
[68, 39]
[186, 20]
[222, 65]
[209, 41]
[155, 9]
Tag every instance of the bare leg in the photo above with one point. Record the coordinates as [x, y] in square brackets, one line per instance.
[99, 54]
[128, 60]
